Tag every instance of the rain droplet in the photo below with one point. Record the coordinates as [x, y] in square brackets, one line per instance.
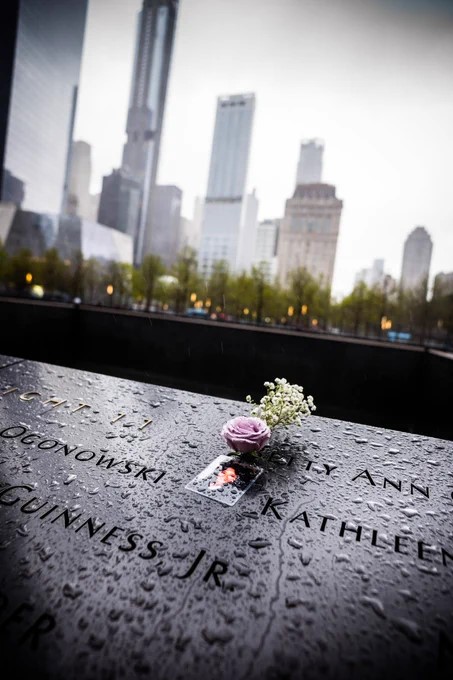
[259, 543]
[70, 479]
[375, 604]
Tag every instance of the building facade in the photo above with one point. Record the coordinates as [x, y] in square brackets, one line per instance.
[166, 217]
[80, 177]
[119, 204]
[309, 168]
[42, 106]
[153, 49]
[443, 284]
[227, 211]
[417, 252]
[309, 232]
[13, 189]
[266, 247]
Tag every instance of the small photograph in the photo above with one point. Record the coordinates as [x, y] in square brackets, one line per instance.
[225, 480]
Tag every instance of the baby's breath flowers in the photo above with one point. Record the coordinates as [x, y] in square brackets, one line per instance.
[284, 404]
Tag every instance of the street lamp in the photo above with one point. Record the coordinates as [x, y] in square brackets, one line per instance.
[193, 297]
[109, 289]
[28, 277]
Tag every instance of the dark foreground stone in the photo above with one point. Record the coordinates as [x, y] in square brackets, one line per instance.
[336, 563]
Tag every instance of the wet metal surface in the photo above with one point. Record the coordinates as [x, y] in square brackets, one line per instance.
[8, 361]
[336, 563]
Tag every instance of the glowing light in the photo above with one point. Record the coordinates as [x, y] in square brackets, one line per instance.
[290, 310]
[208, 302]
[38, 291]
[246, 311]
[109, 289]
[386, 324]
[314, 322]
[304, 309]
[28, 277]
[193, 297]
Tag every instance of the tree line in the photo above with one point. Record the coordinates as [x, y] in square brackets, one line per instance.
[304, 304]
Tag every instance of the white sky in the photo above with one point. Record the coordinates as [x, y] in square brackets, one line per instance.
[373, 78]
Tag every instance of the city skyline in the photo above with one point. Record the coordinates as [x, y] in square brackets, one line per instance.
[383, 117]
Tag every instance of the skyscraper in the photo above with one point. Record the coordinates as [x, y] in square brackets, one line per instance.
[80, 177]
[309, 168]
[309, 232]
[227, 209]
[46, 75]
[416, 259]
[153, 49]
[119, 204]
[266, 247]
[166, 218]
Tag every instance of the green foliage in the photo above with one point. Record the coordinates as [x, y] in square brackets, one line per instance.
[218, 287]
[146, 280]
[19, 265]
[305, 304]
[188, 280]
[92, 277]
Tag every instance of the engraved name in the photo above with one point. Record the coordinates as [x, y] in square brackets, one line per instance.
[120, 466]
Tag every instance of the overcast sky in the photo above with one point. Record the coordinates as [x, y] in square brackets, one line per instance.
[373, 78]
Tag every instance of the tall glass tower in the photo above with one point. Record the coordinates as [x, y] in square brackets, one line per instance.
[42, 104]
[231, 147]
[229, 220]
[154, 43]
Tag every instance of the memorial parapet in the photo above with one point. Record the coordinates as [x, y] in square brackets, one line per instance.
[337, 562]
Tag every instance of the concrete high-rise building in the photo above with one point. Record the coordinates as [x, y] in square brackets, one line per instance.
[227, 214]
[372, 276]
[191, 228]
[119, 204]
[166, 217]
[309, 168]
[80, 177]
[443, 284]
[153, 49]
[309, 232]
[417, 252]
[42, 103]
[266, 247]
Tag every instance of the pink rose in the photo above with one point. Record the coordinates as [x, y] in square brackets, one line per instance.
[245, 435]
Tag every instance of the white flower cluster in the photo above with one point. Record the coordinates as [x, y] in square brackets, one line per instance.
[284, 404]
